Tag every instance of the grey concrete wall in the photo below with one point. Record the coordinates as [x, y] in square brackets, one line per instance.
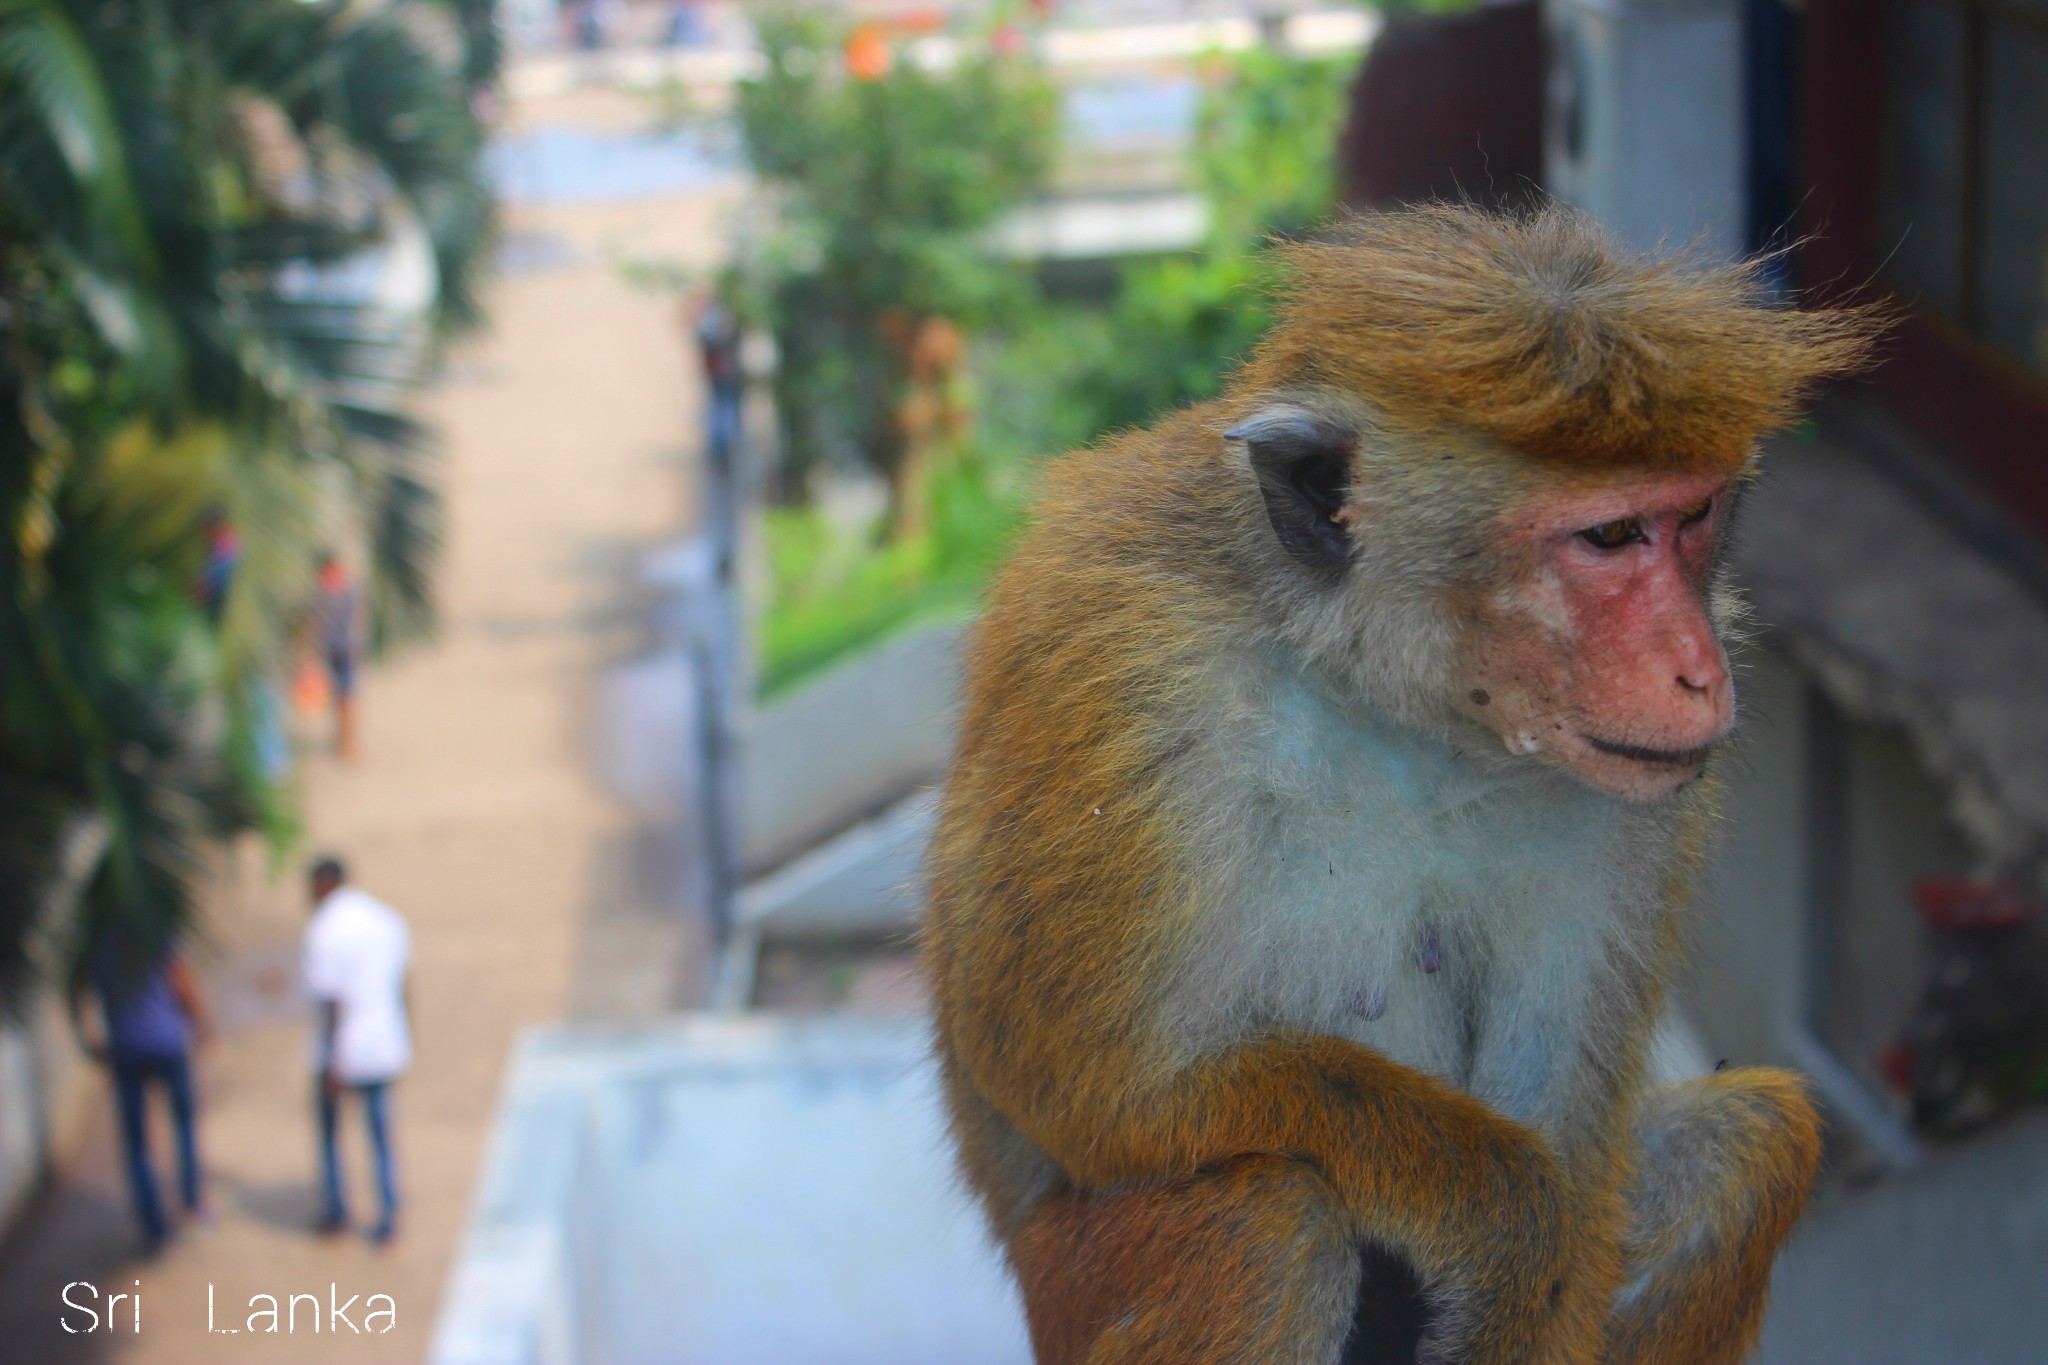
[21, 1126]
[847, 746]
[1896, 830]
[1945, 1266]
[1807, 950]
[864, 882]
[795, 1201]
[1943, 1261]
[43, 1085]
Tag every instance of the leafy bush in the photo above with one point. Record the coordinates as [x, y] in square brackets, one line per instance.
[1061, 375]
[1265, 159]
[835, 588]
[885, 174]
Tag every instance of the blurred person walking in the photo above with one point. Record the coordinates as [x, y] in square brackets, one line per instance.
[150, 1015]
[217, 571]
[356, 960]
[592, 23]
[336, 626]
[684, 25]
[716, 329]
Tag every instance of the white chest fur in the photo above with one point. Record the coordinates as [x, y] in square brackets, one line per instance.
[1475, 921]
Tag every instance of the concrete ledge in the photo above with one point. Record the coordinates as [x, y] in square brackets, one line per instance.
[513, 1293]
[741, 1190]
[865, 882]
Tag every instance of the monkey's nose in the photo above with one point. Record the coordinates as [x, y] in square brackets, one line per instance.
[1701, 670]
[1704, 686]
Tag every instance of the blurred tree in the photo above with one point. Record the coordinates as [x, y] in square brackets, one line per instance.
[480, 42]
[1266, 144]
[209, 210]
[1265, 161]
[885, 175]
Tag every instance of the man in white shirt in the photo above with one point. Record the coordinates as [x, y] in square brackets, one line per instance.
[356, 957]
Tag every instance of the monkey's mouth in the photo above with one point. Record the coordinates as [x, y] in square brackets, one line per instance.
[1663, 758]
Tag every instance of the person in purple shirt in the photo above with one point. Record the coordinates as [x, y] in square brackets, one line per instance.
[150, 1014]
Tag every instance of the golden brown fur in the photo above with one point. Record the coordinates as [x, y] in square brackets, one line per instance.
[1181, 1155]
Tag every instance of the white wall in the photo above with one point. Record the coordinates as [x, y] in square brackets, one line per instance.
[1645, 125]
[1745, 989]
[43, 1081]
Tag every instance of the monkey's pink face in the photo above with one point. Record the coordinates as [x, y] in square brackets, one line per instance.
[1601, 656]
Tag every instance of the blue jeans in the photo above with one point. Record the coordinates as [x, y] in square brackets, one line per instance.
[722, 426]
[376, 1110]
[132, 1076]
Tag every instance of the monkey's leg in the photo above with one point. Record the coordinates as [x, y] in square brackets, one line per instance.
[1251, 1263]
[1724, 1170]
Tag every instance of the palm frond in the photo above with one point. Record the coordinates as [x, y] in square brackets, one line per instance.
[46, 65]
[33, 816]
[157, 796]
[281, 242]
[190, 198]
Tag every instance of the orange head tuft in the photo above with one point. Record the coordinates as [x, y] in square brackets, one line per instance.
[1537, 331]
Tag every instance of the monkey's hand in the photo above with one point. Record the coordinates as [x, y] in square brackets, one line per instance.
[1475, 1201]
[1724, 1169]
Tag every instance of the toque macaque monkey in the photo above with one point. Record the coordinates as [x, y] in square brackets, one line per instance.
[1337, 757]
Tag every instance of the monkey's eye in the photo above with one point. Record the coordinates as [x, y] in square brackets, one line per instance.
[1612, 535]
[1696, 513]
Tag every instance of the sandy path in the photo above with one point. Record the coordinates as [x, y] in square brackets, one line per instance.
[473, 811]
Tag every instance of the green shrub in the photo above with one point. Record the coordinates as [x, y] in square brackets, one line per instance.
[1060, 375]
[834, 589]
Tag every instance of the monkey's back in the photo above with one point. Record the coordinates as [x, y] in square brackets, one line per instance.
[1052, 827]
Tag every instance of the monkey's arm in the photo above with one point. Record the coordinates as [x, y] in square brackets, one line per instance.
[1724, 1169]
[1473, 1200]
[1053, 963]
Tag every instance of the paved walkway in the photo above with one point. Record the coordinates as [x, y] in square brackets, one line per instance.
[472, 810]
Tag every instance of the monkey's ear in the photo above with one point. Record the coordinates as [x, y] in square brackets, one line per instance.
[1303, 466]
